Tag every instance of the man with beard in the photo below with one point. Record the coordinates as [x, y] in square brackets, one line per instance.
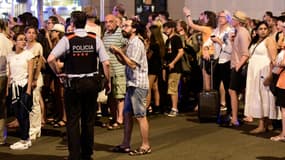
[137, 88]
[172, 64]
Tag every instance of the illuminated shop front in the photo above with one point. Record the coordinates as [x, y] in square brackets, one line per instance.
[5, 8]
[17, 7]
[63, 8]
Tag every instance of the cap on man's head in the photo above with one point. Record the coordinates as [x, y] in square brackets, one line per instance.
[240, 16]
[58, 27]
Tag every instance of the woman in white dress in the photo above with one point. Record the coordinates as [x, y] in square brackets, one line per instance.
[259, 101]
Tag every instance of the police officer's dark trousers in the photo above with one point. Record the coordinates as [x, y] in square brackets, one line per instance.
[80, 100]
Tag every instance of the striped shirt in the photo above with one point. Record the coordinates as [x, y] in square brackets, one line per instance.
[137, 77]
[115, 39]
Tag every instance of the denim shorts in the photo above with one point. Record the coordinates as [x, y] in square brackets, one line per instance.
[135, 101]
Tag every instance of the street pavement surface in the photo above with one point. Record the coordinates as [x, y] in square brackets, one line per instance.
[179, 138]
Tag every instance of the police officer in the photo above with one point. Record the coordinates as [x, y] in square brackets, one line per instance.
[81, 51]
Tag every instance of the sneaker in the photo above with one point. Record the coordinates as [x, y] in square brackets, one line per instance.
[223, 107]
[99, 114]
[172, 113]
[21, 145]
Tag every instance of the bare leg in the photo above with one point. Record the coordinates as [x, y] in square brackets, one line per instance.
[281, 136]
[99, 107]
[234, 103]
[151, 79]
[260, 128]
[156, 92]
[113, 107]
[206, 80]
[128, 128]
[268, 124]
[144, 129]
[63, 114]
[222, 94]
[174, 100]
[120, 108]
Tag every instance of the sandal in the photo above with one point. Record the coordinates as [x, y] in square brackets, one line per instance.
[248, 119]
[43, 124]
[121, 149]
[140, 151]
[13, 124]
[277, 138]
[223, 107]
[60, 124]
[51, 121]
[149, 109]
[257, 131]
[234, 124]
[115, 126]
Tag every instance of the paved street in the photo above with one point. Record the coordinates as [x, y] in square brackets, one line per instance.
[180, 138]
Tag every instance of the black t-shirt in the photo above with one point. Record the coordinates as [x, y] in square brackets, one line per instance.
[173, 44]
[154, 62]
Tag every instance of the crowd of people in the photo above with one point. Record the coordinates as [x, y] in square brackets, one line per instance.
[52, 75]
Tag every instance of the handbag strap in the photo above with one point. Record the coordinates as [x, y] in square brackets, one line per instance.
[252, 52]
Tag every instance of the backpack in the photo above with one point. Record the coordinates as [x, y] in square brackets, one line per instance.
[187, 58]
[195, 41]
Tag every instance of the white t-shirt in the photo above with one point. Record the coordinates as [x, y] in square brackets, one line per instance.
[18, 64]
[94, 29]
[37, 49]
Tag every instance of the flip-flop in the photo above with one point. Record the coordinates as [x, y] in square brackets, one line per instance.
[115, 126]
[59, 124]
[140, 151]
[51, 121]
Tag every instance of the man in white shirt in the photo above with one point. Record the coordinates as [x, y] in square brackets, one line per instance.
[91, 25]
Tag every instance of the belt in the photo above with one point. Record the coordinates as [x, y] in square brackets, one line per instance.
[82, 75]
